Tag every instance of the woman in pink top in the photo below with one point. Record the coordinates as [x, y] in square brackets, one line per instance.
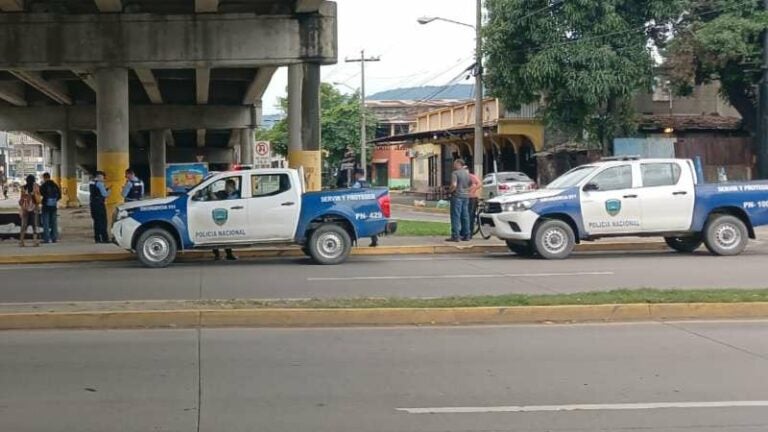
[474, 196]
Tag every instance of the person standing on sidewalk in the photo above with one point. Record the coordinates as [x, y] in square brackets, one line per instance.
[474, 197]
[133, 190]
[29, 209]
[51, 194]
[460, 184]
[99, 194]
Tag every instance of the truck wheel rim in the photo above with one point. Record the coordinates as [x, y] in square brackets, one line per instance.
[727, 236]
[555, 240]
[330, 245]
[156, 249]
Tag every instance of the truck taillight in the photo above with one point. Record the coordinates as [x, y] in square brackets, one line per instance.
[385, 205]
[503, 187]
[533, 186]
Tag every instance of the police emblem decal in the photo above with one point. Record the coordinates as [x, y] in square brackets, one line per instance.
[613, 207]
[220, 216]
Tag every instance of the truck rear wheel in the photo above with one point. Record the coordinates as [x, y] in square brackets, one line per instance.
[156, 248]
[329, 244]
[684, 244]
[553, 239]
[725, 235]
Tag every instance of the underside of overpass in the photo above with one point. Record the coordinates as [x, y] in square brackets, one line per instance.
[109, 84]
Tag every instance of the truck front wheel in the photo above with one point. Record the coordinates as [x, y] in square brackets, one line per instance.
[553, 239]
[684, 244]
[329, 244]
[725, 235]
[156, 248]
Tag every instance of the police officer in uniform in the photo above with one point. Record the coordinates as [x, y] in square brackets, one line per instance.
[133, 190]
[99, 194]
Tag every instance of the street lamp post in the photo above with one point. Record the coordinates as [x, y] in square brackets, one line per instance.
[479, 150]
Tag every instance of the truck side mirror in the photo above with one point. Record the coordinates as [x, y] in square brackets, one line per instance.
[590, 187]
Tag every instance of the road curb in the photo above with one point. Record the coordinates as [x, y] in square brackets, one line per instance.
[296, 252]
[218, 318]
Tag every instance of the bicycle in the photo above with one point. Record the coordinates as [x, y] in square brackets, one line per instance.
[479, 228]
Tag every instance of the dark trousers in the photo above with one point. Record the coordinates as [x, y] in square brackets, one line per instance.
[99, 215]
[472, 211]
[50, 224]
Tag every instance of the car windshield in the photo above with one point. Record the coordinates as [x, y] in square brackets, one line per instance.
[572, 178]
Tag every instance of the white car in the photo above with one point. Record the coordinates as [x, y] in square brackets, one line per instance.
[84, 193]
[503, 183]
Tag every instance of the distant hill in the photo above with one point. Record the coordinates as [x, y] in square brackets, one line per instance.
[456, 91]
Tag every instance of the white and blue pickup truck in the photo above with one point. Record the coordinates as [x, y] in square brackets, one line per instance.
[252, 207]
[629, 197]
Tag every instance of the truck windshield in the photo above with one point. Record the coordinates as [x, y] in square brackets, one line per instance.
[572, 178]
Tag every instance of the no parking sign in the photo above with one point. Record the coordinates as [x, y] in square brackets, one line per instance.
[263, 148]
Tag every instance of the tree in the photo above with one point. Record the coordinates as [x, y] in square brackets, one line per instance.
[720, 40]
[584, 59]
[339, 125]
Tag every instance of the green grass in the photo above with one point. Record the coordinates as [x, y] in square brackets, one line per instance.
[419, 228]
[587, 298]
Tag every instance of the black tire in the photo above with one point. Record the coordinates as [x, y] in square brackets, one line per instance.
[522, 249]
[684, 244]
[725, 235]
[156, 248]
[329, 244]
[553, 239]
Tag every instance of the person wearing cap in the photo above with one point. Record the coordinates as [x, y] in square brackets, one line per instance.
[99, 194]
[133, 189]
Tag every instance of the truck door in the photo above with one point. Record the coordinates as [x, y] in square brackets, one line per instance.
[666, 196]
[609, 202]
[217, 213]
[273, 206]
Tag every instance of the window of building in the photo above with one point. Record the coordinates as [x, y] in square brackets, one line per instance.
[402, 128]
[405, 170]
[660, 174]
[383, 130]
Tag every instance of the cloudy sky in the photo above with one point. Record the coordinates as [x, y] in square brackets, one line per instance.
[411, 54]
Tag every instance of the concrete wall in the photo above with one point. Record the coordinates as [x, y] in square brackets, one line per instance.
[704, 100]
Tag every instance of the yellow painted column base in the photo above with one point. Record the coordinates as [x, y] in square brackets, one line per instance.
[69, 193]
[311, 161]
[157, 186]
[114, 165]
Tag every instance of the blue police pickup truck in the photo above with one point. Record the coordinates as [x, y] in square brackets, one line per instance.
[252, 207]
[629, 197]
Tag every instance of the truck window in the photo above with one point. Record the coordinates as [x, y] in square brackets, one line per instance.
[614, 178]
[269, 184]
[223, 189]
[660, 174]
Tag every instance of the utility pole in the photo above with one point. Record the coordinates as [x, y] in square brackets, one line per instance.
[762, 111]
[363, 139]
[479, 148]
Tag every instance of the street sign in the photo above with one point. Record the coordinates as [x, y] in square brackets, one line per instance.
[262, 148]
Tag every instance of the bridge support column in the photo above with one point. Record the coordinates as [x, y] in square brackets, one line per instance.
[68, 170]
[56, 166]
[247, 143]
[112, 130]
[304, 122]
[157, 163]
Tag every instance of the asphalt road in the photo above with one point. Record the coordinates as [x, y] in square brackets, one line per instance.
[414, 276]
[673, 377]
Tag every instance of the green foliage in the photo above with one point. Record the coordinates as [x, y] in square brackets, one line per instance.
[339, 125]
[585, 59]
[719, 40]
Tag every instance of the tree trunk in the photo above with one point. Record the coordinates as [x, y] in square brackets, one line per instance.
[737, 96]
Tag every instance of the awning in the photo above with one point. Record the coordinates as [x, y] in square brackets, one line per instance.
[380, 161]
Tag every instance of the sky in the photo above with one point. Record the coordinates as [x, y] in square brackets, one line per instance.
[411, 54]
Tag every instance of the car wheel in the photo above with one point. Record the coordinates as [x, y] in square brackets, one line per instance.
[684, 244]
[553, 239]
[156, 248]
[523, 249]
[725, 235]
[329, 244]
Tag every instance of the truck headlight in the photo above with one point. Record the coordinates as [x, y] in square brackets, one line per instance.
[519, 206]
[121, 214]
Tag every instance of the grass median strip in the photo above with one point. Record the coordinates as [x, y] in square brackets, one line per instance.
[412, 228]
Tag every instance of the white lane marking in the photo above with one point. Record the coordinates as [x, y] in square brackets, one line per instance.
[460, 276]
[583, 407]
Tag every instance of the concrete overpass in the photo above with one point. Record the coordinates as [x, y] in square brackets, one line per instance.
[109, 84]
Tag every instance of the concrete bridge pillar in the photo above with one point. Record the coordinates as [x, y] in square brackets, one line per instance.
[68, 170]
[247, 143]
[112, 130]
[157, 163]
[304, 122]
[56, 166]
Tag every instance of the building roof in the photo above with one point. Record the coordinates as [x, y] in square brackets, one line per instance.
[689, 122]
[435, 134]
